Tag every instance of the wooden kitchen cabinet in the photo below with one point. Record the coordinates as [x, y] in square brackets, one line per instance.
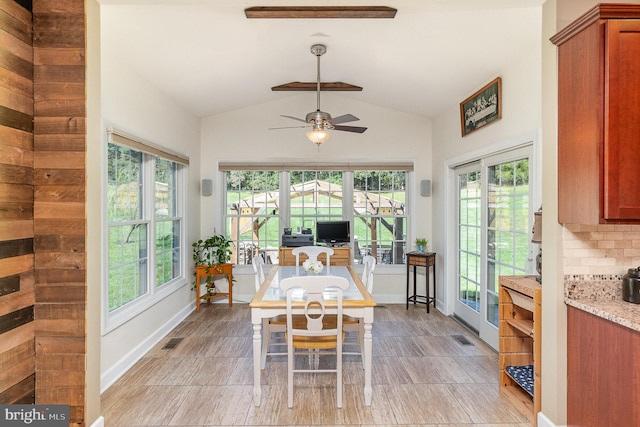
[598, 116]
[520, 343]
[603, 373]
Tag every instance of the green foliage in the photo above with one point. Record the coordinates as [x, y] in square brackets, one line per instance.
[211, 251]
[421, 241]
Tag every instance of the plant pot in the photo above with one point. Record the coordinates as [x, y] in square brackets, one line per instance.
[420, 249]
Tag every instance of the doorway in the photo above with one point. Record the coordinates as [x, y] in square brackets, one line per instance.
[493, 215]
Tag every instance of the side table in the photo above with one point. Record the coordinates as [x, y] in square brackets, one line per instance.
[420, 259]
[203, 271]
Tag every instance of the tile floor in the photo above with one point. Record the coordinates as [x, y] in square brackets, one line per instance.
[422, 376]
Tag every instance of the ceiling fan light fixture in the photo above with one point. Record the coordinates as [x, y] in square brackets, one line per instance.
[318, 136]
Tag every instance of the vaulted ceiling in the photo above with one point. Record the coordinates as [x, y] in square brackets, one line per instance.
[210, 58]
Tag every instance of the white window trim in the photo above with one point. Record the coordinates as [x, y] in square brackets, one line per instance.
[114, 319]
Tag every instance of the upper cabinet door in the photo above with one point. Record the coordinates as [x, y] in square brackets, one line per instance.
[622, 121]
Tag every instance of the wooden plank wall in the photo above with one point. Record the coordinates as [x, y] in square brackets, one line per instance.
[17, 278]
[42, 204]
[59, 203]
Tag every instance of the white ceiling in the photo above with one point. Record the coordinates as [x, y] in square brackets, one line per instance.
[208, 57]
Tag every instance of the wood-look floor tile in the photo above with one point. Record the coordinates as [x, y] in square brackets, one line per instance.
[434, 370]
[355, 412]
[397, 346]
[230, 347]
[194, 346]
[483, 369]
[215, 405]
[440, 346]
[242, 372]
[213, 371]
[147, 405]
[425, 404]
[485, 404]
[387, 370]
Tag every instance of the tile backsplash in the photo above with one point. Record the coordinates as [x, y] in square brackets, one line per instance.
[600, 249]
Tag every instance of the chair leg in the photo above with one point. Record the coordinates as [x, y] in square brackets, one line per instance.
[290, 366]
[339, 376]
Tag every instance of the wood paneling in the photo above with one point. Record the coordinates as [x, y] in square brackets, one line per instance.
[17, 294]
[59, 203]
[42, 204]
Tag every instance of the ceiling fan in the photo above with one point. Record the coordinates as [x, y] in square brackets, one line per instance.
[319, 121]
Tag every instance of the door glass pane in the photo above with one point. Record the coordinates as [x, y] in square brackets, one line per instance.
[507, 226]
[469, 214]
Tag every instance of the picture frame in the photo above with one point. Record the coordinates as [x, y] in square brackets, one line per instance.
[482, 108]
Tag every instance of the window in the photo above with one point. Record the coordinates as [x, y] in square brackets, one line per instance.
[251, 214]
[380, 220]
[263, 199]
[145, 252]
[314, 196]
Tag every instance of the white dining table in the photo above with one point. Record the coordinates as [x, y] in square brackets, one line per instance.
[270, 301]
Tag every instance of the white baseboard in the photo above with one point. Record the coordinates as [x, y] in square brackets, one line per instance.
[99, 422]
[546, 422]
[124, 364]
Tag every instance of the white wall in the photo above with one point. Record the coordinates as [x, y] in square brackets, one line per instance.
[243, 135]
[521, 119]
[131, 104]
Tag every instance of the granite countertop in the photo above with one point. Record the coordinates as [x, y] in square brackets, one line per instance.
[602, 297]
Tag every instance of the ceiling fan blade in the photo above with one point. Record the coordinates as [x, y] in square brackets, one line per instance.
[294, 118]
[289, 127]
[344, 119]
[356, 129]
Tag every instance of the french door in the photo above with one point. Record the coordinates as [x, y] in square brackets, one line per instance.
[493, 234]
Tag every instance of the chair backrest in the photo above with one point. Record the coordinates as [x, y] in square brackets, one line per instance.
[312, 252]
[369, 263]
[258, 269]
[314, 304]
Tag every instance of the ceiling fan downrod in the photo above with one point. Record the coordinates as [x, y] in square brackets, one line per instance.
[318, 50]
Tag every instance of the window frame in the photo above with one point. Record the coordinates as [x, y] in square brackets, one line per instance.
[112, 319]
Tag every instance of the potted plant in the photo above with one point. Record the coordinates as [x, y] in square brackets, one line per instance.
[421, 243]
[211, 252]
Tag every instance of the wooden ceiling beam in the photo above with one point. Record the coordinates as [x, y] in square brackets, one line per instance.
[312, 87]
[320, 12]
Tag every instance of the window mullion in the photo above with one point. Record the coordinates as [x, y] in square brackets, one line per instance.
[148, 211]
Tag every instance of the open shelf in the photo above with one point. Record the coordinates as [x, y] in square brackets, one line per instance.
[520, 349]
[523, 325]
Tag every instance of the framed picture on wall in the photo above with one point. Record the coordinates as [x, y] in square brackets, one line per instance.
[481, 108]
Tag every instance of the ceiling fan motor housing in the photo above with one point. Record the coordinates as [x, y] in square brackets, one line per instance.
[319, 120]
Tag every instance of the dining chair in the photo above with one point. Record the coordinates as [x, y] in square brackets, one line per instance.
[312, 252]
[369, 263]
[318, 332]
[352, 324]
[270, 325]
